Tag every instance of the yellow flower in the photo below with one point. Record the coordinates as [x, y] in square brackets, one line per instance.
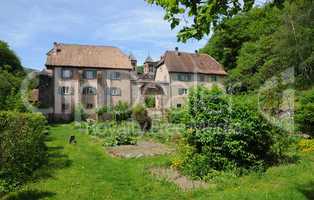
[306, 145]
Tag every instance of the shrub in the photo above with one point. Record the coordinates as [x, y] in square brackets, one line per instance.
[121, 111]
[139, 113]
[305, 113]
[102, 110]
[113, 133]
[79, 113]
[150, 102]
[177, 115]
[220, 138]
[165, 132]
[22, 147]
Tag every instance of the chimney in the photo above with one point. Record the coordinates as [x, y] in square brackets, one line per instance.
[56, 47]
[177, 51]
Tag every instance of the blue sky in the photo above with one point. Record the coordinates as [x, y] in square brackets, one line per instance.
[31, 26]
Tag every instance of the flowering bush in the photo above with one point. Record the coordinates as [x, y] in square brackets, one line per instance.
[306, 145]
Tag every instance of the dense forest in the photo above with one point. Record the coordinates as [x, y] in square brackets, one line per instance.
[256, 45]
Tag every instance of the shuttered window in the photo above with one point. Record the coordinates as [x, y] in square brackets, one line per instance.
[182, 91]
[89, 91]
[114, 91]
[66, 90]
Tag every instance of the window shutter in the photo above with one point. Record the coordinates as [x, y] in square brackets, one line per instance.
[59, 91]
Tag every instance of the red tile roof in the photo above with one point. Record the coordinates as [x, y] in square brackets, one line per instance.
[73, 55]
[191, 63]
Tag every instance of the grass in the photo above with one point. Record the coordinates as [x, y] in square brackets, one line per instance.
[84, 171]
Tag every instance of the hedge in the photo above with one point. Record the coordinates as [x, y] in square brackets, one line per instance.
[22, 147]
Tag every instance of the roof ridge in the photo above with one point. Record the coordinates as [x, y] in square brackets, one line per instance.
[87, 45]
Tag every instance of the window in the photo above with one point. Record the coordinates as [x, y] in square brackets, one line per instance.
[64, 107]
[182, 91]
[66, 73]
[214, 78]
[151, 69]
[179, 105]
[202, 77]
[115, 75]
[90, 74]
[184, 77]
[115, 91]
[89, 91]
[65, 90]
[89, 106]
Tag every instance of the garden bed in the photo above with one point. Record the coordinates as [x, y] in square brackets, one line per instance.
[142, 148]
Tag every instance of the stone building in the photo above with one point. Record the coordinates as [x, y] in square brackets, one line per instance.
[93, 76]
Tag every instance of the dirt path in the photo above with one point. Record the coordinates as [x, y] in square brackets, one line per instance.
[172, 175]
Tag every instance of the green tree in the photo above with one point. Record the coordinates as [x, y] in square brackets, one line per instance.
[11, 76]
[204, 14]
[232, 34]
[8, 60]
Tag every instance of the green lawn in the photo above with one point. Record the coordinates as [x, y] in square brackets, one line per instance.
[85, 171]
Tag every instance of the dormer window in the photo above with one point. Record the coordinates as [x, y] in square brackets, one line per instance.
[66, 73]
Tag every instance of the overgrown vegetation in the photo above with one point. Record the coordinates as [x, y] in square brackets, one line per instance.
[139, 114]
[119, 112]
[22, 148]
[177, 115]
[111, 133]
[225, 135]
[150, 101]
[305, 112]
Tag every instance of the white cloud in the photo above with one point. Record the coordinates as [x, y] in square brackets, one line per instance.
[30, 27]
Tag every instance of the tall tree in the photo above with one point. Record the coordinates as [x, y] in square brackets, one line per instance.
[8, 59]
[204, 14]
[231, 34]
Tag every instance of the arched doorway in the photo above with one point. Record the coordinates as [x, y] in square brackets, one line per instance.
[155, 90]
